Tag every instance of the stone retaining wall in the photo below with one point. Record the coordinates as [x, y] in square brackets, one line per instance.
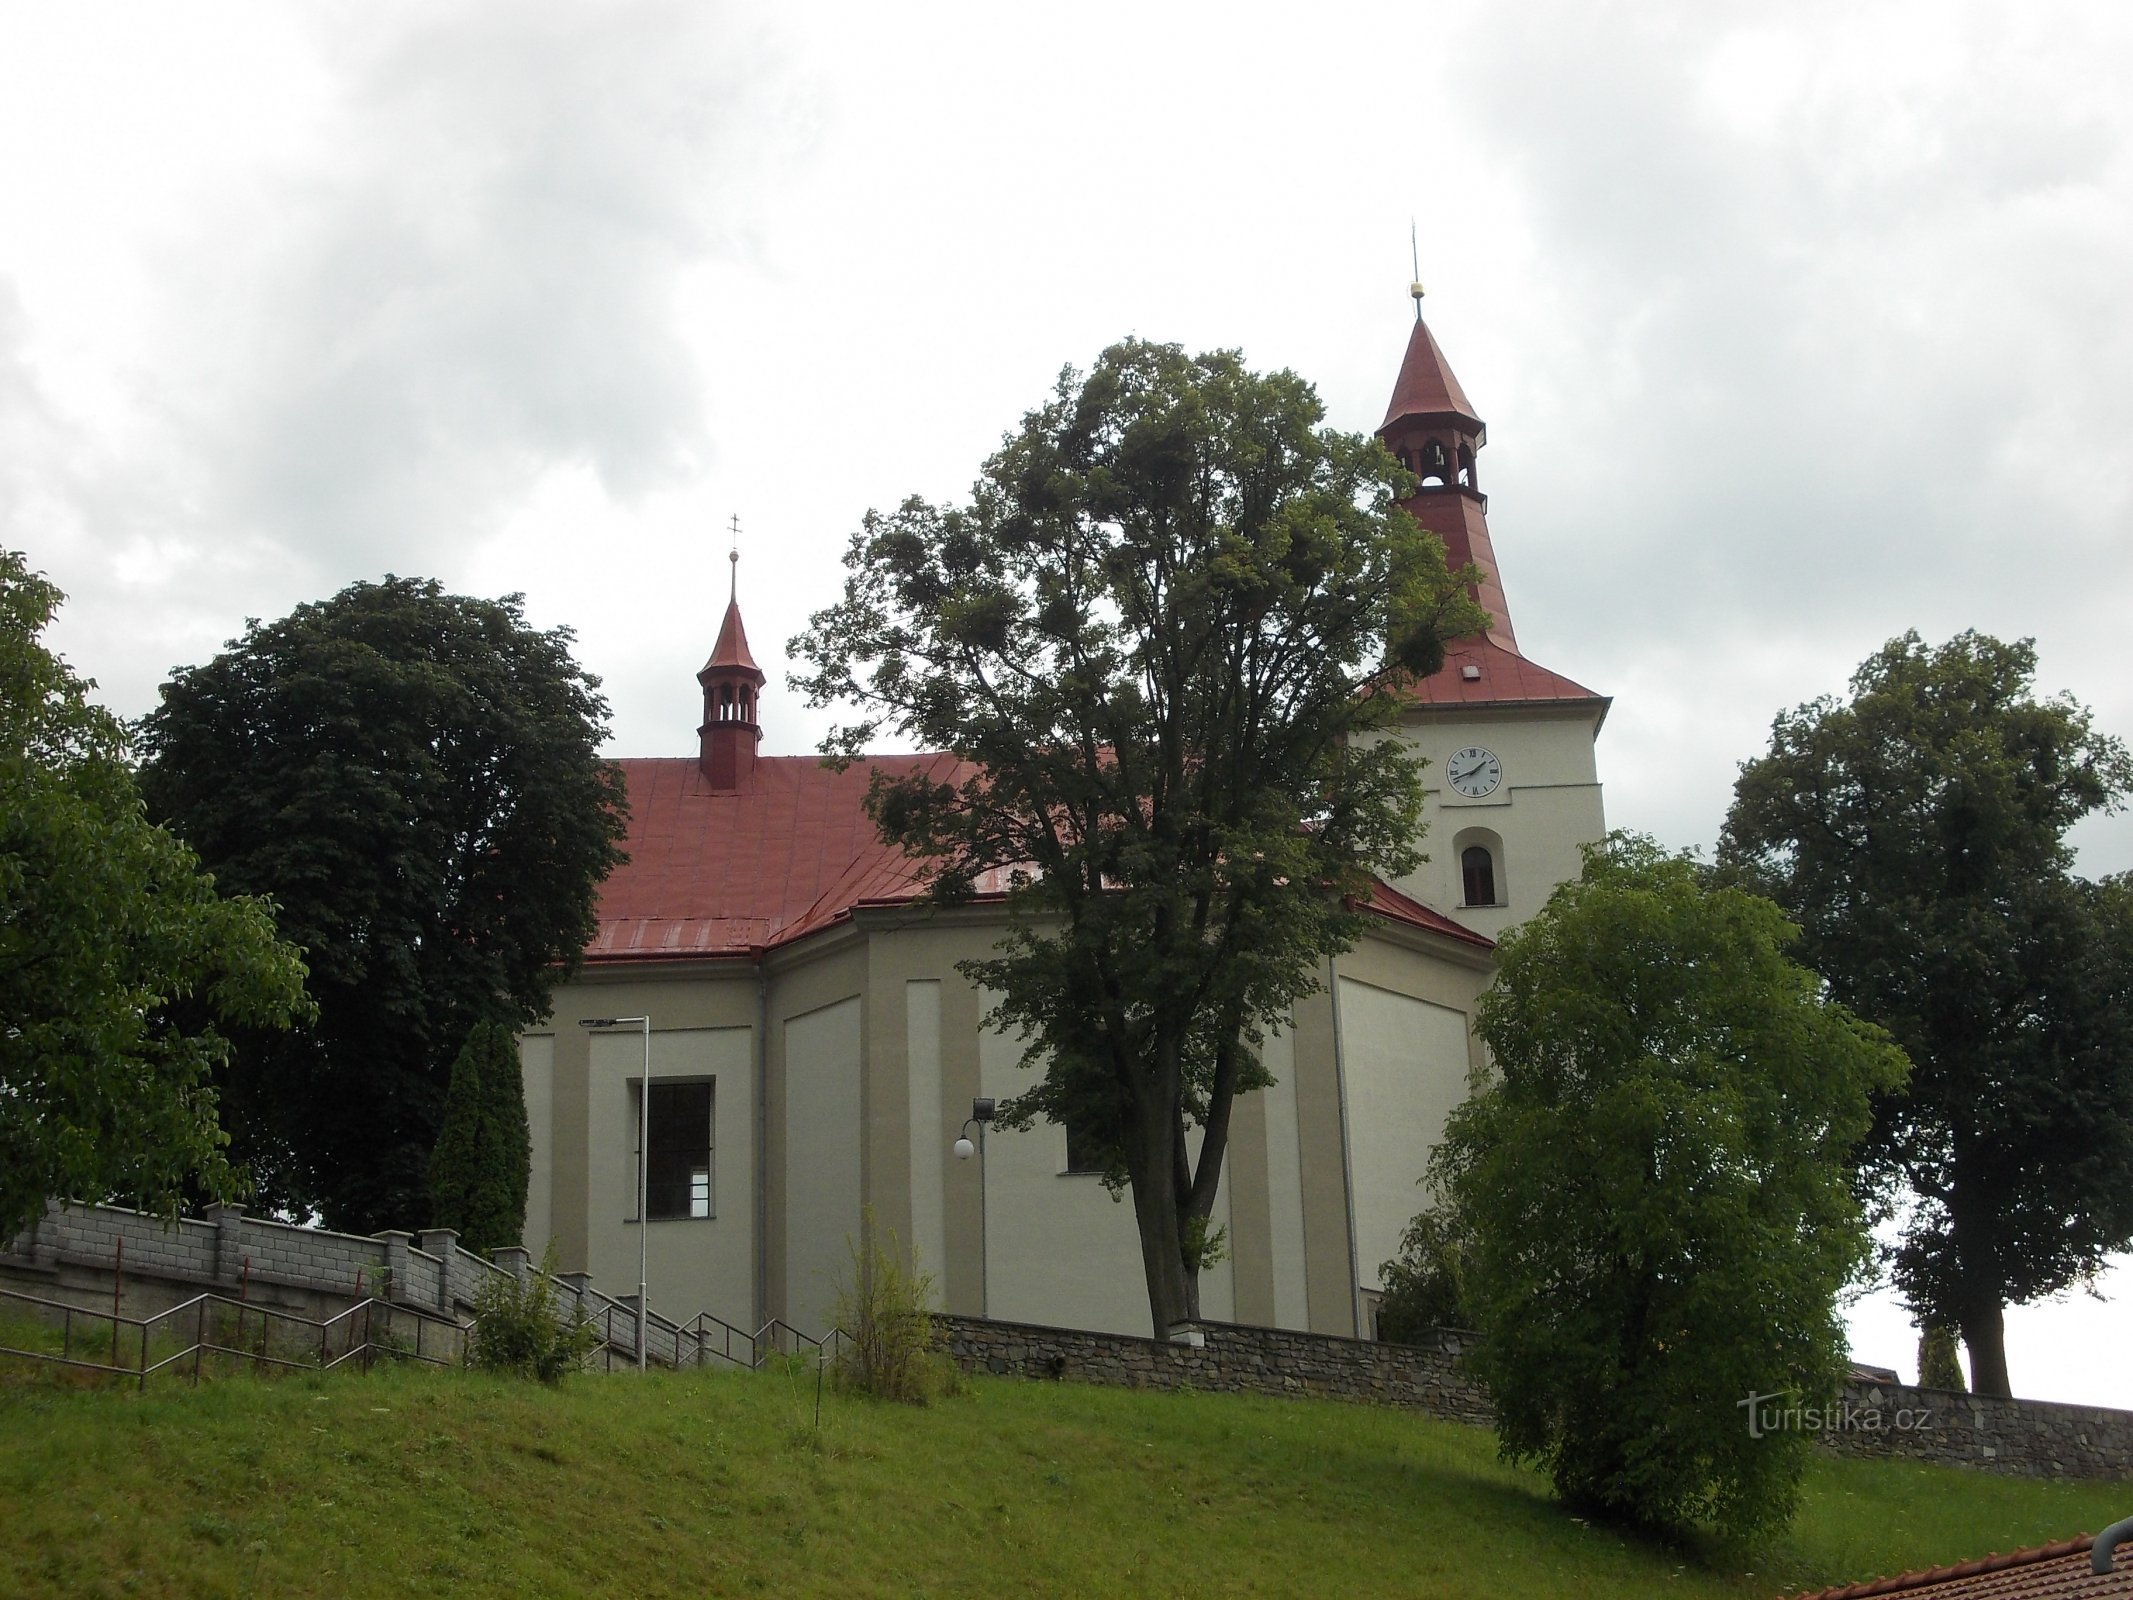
[2026, 1438]
[1234, 1359]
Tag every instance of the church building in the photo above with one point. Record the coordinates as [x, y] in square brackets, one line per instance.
[814, 1051]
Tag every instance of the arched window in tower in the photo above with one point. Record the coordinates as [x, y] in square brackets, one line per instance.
[1436, 464]
[747, 705]
[1466, 466]
[1477, 872]
[725, 702]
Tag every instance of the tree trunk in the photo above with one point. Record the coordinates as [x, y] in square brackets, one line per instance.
[1173, 1292]
[1985, 1337]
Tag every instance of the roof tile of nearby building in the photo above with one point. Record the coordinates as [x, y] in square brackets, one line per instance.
[712, 874]
[2050, 1572]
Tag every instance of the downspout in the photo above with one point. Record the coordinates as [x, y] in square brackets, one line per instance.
[2118, 1533]
[762, 1139]
[1340, 1085]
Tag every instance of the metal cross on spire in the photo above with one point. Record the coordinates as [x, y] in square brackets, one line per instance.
[1414, 247]
[733, 557]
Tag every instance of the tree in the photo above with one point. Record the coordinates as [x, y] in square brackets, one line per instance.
[484, 1154]
[119, 964]
[1917, 834]
[1656, 1184]
[1163, 635]
[413, 776]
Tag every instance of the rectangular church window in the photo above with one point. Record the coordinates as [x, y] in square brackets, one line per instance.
[678, 1178]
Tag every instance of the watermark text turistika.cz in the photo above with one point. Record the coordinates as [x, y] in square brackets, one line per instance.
[1782, 1413]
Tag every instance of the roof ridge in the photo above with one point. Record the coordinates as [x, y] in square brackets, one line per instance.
[1975, 1567]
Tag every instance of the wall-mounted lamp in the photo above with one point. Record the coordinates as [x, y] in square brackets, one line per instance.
[981, 1110]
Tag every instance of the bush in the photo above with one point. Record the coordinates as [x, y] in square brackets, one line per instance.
[518, 1327]
[889, 1348]
[1657, 1177]
[1425, 1284]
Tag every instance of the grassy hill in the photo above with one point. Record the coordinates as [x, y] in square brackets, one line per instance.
[426, 1482]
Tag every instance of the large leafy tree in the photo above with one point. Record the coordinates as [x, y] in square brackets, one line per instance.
[484, 1155]
[1162, 634]
[1653, 1184]
[1917, 834]
[120, 966]
[413, 776]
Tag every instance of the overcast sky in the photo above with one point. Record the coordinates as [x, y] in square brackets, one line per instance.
[1792, 329]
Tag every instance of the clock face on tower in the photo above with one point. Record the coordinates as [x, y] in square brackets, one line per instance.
[1474, 772]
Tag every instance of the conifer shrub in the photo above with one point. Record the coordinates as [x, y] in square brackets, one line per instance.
[483, 1157]
[1938, 1367]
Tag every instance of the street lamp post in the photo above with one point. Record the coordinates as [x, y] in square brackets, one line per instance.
[644, 1164]
[981, 1110]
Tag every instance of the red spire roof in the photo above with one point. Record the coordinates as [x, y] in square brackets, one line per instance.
[1430, 413]
[1426, 387]
[731, 651]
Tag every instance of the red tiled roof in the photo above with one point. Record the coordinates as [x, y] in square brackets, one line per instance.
[2050, 1572]
[1426, 386]
[728, 874]
[724, 874]
[1504, 677]
[1394, 906]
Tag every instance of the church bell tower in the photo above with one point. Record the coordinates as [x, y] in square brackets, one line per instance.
[732, 684]
[1512, 789]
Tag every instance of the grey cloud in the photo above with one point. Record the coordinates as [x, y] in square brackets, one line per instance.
[476, 280]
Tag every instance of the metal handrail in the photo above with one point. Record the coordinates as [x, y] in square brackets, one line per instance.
[199, 1307]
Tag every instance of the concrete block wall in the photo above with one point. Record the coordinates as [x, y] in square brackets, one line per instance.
[75, 1247]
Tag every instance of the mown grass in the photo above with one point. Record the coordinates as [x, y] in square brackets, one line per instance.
[420, 1481]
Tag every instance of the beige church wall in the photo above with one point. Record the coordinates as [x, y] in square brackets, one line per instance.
[824, 1180]
[1404, 1067]
[1265, 1173]
[692, 1263]
[682, 996]
[536, 1064]
[1548, 807]
[809, 977]
[928, 1167]
[922, 1073]
[1059, 1249]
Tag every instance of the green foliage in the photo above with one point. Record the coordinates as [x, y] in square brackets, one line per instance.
[413, 775]
[1937, 1365]
[890, 1350]
[1159, 638]
[1425, 1284]
[120, 967]
[1657, 1186]
[519, 1329]
[484, 1155]
[1917, 834]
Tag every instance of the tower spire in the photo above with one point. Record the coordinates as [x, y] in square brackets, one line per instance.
[732, 685]
[1414, 249]
[1435, 432]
